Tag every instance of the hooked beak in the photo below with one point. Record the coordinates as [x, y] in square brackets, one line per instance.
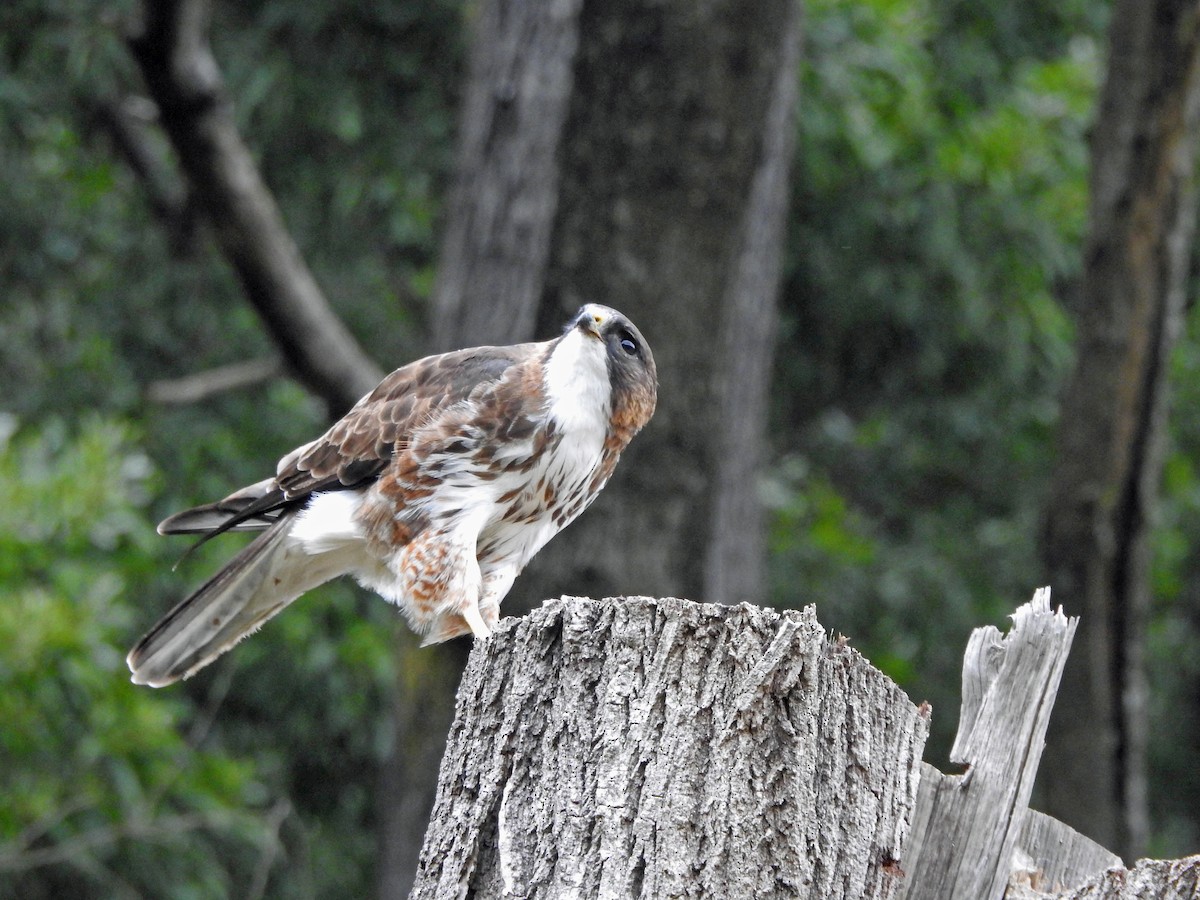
[591, 319]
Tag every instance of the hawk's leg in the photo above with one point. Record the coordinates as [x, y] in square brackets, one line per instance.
[497, 582]
[475, 620]
[477, 617]
[439, 585]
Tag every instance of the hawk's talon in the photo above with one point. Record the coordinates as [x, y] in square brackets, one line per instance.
[475, 620]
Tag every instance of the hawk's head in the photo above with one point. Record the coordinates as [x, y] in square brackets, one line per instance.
[603, 363]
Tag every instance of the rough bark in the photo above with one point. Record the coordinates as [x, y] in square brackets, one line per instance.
[1113, 415]
[640, 748]
[185, 83]
[966, 826]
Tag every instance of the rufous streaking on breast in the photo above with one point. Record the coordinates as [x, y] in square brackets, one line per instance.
[435, 490]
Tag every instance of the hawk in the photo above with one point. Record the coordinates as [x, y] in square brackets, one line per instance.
[434, 490]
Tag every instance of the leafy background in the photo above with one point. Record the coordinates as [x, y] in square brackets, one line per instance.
[939, 202]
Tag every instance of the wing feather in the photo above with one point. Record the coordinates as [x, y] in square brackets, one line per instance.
[360, 445]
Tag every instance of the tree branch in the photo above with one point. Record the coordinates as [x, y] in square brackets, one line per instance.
[202, 385]
[128, 122]
[184, 81]
[20, 859]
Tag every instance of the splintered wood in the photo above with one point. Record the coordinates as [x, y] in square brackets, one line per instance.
[966, 826]
[637, 748]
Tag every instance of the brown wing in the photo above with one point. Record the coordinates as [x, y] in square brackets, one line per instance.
[357, 448]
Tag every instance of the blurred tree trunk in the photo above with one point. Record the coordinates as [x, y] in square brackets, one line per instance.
[656, 184]
[674, 166]
[638, 157]
[1113, 418]
[655, 181]
[498, 222]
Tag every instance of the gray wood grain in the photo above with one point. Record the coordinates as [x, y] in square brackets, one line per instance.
[966, 826]
[1150, 879]
[1051, 856]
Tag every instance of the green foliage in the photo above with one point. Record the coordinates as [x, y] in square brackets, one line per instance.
[97, 778]
[940, 210]
[259, 775]
[937, 218]
[939, 214]
[168, 793]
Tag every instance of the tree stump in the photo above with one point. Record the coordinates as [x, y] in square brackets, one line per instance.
[661, 748]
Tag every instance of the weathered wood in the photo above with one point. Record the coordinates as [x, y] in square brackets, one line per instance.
[1150, 879]
[1052, 856]
[640, 748]
[965, 827]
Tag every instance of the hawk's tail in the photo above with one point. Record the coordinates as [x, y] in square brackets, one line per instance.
[265, 577]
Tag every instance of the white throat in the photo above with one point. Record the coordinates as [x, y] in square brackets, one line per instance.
[577, 386]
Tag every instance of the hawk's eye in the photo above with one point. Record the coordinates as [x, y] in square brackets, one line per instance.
[628, 344]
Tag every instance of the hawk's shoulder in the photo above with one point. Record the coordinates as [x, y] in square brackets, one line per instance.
[359, 446]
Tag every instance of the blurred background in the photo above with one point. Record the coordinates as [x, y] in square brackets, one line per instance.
[917, 274]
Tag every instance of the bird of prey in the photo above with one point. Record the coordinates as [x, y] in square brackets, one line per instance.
[434, 490]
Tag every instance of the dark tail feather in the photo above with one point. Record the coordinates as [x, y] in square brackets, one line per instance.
[261, 580]
[212, 517]
[253, 508]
